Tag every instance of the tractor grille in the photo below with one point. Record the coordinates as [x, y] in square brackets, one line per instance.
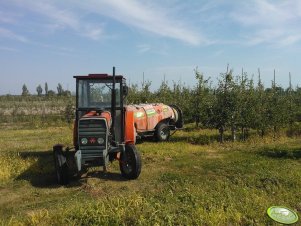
[90, 131]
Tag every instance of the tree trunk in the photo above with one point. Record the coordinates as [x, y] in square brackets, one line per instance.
[275, 131]
[262, 133]
[233, 133]
[221, 134]
[243, 133]
[197, 121]
[247, 133]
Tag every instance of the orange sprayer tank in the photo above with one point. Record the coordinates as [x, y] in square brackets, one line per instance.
[147, 117]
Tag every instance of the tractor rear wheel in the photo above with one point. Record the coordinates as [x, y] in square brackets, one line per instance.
[61, 167]
[130, 164]
[162, 132]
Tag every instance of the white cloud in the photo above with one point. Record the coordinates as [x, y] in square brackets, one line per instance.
[145, 17]
[8, 18]
[290, 40]
[8, 49]
[263, 13]
[256, 21]
[269, 22]
[142, 15]
[94, 33]
[60, 18]
[143, 48]
[5, 33]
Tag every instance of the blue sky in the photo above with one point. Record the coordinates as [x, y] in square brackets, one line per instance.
[51, 40]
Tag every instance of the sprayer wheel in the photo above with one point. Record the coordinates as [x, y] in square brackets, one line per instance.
[162, 132]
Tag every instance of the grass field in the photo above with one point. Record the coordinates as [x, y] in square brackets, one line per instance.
[191, 180]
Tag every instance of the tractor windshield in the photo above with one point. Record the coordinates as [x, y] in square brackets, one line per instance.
[97, 94]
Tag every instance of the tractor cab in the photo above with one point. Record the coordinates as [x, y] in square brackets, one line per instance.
[103, 129]
[101, 96]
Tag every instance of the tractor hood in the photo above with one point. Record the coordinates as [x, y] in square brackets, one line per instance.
[104, 114]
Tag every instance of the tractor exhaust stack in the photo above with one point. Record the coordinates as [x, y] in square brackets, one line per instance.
[113, 106]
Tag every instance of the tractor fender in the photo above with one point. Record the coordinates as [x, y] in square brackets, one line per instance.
[130, 130]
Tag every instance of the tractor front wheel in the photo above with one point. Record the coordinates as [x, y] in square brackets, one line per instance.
[130, 164]
[162, 132]
[61, 167]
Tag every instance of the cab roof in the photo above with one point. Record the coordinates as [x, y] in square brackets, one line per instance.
[97, 76]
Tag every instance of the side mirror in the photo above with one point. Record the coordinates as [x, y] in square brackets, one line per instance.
[125, 90]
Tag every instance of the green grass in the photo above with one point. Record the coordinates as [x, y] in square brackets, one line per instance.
[191, 180]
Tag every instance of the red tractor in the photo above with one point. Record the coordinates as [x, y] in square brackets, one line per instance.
[104, 130]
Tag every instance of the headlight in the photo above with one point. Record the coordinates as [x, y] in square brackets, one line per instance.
[100, 140]
[84, 141]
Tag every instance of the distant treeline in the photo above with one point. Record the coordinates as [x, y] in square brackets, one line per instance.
[46, 91]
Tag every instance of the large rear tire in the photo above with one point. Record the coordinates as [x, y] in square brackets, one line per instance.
[130, 164]
[162, 132]
[61, 167]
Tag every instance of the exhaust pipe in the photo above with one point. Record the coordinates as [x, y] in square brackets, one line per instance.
[113, 105]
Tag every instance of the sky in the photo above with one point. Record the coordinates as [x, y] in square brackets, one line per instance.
[53, 40]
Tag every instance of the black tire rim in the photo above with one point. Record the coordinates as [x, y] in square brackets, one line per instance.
[128, 164]
[164, 133]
